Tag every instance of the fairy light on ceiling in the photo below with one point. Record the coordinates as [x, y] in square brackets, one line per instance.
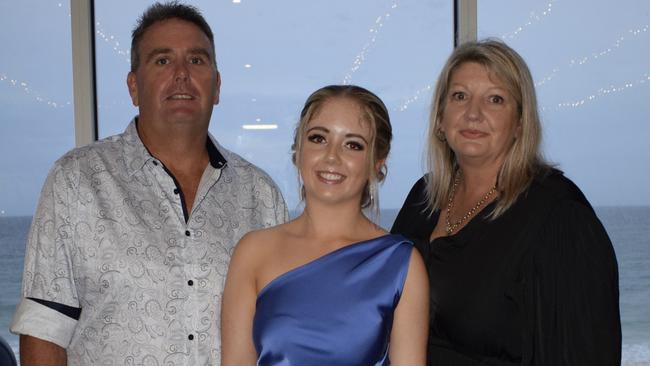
[112, 42]
[374, 32]
[601, 93]
[533, 18]
[617, 44]
[573, 63]
[24, 88]
[580, 61]
[424, 92]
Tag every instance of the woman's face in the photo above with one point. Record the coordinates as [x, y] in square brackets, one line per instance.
[480, 119]
[333, 158]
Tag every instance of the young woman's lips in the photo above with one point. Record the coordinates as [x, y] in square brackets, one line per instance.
[330, 177]
[473, 134]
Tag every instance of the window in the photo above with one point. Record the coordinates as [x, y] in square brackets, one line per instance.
[272, 55]
[36, 128]
[589, 62]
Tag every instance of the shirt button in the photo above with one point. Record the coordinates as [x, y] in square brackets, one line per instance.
[155, 162]
[176, 191]
[190, 337]
[187, 233]
[190, 282]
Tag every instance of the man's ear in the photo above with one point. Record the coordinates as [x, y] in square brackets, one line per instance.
[218, 86]
[131, 83]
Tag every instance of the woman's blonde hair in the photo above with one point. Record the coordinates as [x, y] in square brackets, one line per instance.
[374, 113]
[523, 161]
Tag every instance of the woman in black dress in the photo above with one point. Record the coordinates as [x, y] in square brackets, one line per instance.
[521, 270]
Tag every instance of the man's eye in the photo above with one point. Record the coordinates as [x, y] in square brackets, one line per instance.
[162, 61]
[196, 61]
[316, 138]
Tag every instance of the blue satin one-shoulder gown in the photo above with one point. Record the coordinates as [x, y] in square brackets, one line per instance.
[336, 310]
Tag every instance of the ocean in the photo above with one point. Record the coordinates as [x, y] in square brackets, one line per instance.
[628, 227]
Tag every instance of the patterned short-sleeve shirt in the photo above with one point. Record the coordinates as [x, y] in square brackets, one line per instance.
[117, 273]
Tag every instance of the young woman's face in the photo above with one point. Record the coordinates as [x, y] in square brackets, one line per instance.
[334, 156]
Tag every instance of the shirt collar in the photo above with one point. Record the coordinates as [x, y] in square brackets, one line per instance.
[136, 154]
[216, 158]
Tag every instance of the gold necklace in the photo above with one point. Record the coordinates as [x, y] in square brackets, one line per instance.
[449, 227]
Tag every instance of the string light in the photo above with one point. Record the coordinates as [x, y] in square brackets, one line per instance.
[112, 41]
[374, 32]
[580, 61]
[533, 18]
[404, 106]
[617, 44]
[601, 93]
[24, 87]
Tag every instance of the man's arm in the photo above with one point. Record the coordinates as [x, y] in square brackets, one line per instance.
[35, 351]
[48, 312]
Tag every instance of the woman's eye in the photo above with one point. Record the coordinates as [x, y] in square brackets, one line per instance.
[496, 99]
[458, 96]
[315, 138]
[353, 145]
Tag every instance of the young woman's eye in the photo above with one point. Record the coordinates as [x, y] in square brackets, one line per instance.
[496, 99]
[353, 145]
[316, 138]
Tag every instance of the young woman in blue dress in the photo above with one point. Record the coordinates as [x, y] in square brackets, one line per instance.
[329, 287]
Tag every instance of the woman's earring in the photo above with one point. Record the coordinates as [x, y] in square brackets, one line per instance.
[301, 187]
[440, 135]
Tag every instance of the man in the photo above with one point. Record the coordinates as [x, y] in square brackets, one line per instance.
[132, 236]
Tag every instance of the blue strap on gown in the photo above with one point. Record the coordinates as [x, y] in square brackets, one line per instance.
[336, 310]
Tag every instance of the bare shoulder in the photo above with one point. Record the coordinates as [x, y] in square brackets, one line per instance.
[259, 243]
[417, 273]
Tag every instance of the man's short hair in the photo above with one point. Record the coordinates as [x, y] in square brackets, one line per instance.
[159, 12]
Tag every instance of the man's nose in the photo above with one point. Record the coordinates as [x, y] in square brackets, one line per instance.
[181, 72]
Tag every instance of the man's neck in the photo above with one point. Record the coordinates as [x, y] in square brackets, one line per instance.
[184, 153]
[180, 150]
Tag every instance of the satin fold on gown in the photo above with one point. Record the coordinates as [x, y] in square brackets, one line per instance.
[335, 310]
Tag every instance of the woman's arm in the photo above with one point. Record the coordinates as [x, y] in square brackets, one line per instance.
[238, 307]
[408, 339]
[576, 309]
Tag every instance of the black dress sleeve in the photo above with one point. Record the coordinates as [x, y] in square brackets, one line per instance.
[575, 291]
[415, 220]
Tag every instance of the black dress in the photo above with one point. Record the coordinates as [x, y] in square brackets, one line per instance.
[537, 286]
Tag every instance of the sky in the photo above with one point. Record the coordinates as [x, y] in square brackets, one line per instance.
[588, 59]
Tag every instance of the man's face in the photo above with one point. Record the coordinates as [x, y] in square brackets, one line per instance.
[177, 81]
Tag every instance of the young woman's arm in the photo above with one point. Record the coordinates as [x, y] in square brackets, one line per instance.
[238, 307]
[408, 339]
